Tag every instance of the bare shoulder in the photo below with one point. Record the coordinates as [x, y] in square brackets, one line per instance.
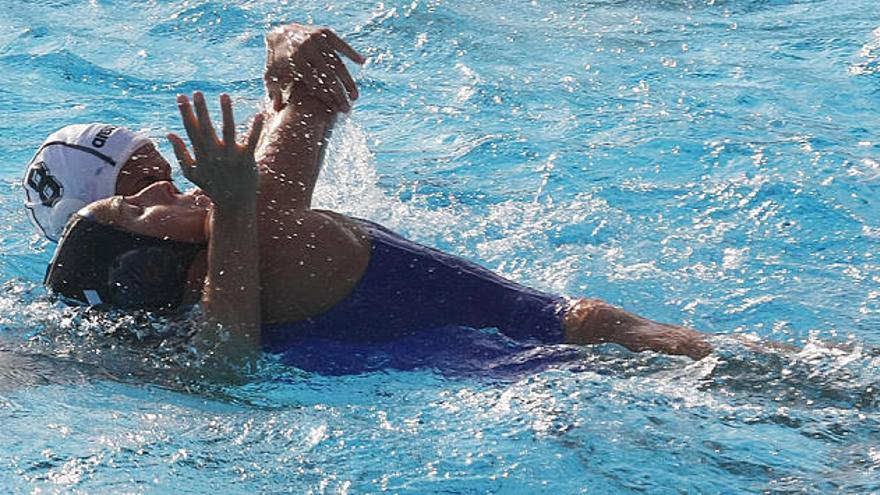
[315, 242]
[345, 227]
[312, 266]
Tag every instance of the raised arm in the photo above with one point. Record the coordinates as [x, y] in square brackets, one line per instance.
[307, 85]
[227, 172]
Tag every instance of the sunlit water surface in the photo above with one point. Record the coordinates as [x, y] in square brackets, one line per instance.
[713, 163]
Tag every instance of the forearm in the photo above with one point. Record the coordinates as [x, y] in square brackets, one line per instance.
[290, 155]
[232, 290]
[307, 86]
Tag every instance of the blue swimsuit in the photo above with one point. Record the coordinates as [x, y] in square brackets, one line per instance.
[408, 287]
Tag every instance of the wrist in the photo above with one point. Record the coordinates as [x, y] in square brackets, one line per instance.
[239, 214]
[239, 196]
[301, 102]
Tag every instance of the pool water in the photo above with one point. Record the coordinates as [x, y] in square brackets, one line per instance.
[714, 163]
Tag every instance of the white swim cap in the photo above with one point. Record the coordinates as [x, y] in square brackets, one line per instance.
[75, 166]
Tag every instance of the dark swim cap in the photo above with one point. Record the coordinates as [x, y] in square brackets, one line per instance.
[99, 264]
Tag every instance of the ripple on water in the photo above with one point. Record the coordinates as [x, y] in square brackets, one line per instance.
[703, 161]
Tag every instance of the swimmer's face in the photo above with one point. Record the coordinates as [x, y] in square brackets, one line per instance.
[145, 167]
[159, 210]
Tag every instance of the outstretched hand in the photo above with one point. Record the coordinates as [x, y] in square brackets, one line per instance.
[304, 61]
[224, 169]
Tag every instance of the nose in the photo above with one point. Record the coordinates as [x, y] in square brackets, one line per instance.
[162, 192]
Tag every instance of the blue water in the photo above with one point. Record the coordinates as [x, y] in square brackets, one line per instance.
[714, 163]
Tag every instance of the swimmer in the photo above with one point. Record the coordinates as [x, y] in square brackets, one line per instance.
[269, 269]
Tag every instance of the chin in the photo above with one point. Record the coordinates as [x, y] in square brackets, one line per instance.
[197, 233]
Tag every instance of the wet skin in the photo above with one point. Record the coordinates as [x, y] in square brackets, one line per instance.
[159, 210]
[145, 166]
[295, 241]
